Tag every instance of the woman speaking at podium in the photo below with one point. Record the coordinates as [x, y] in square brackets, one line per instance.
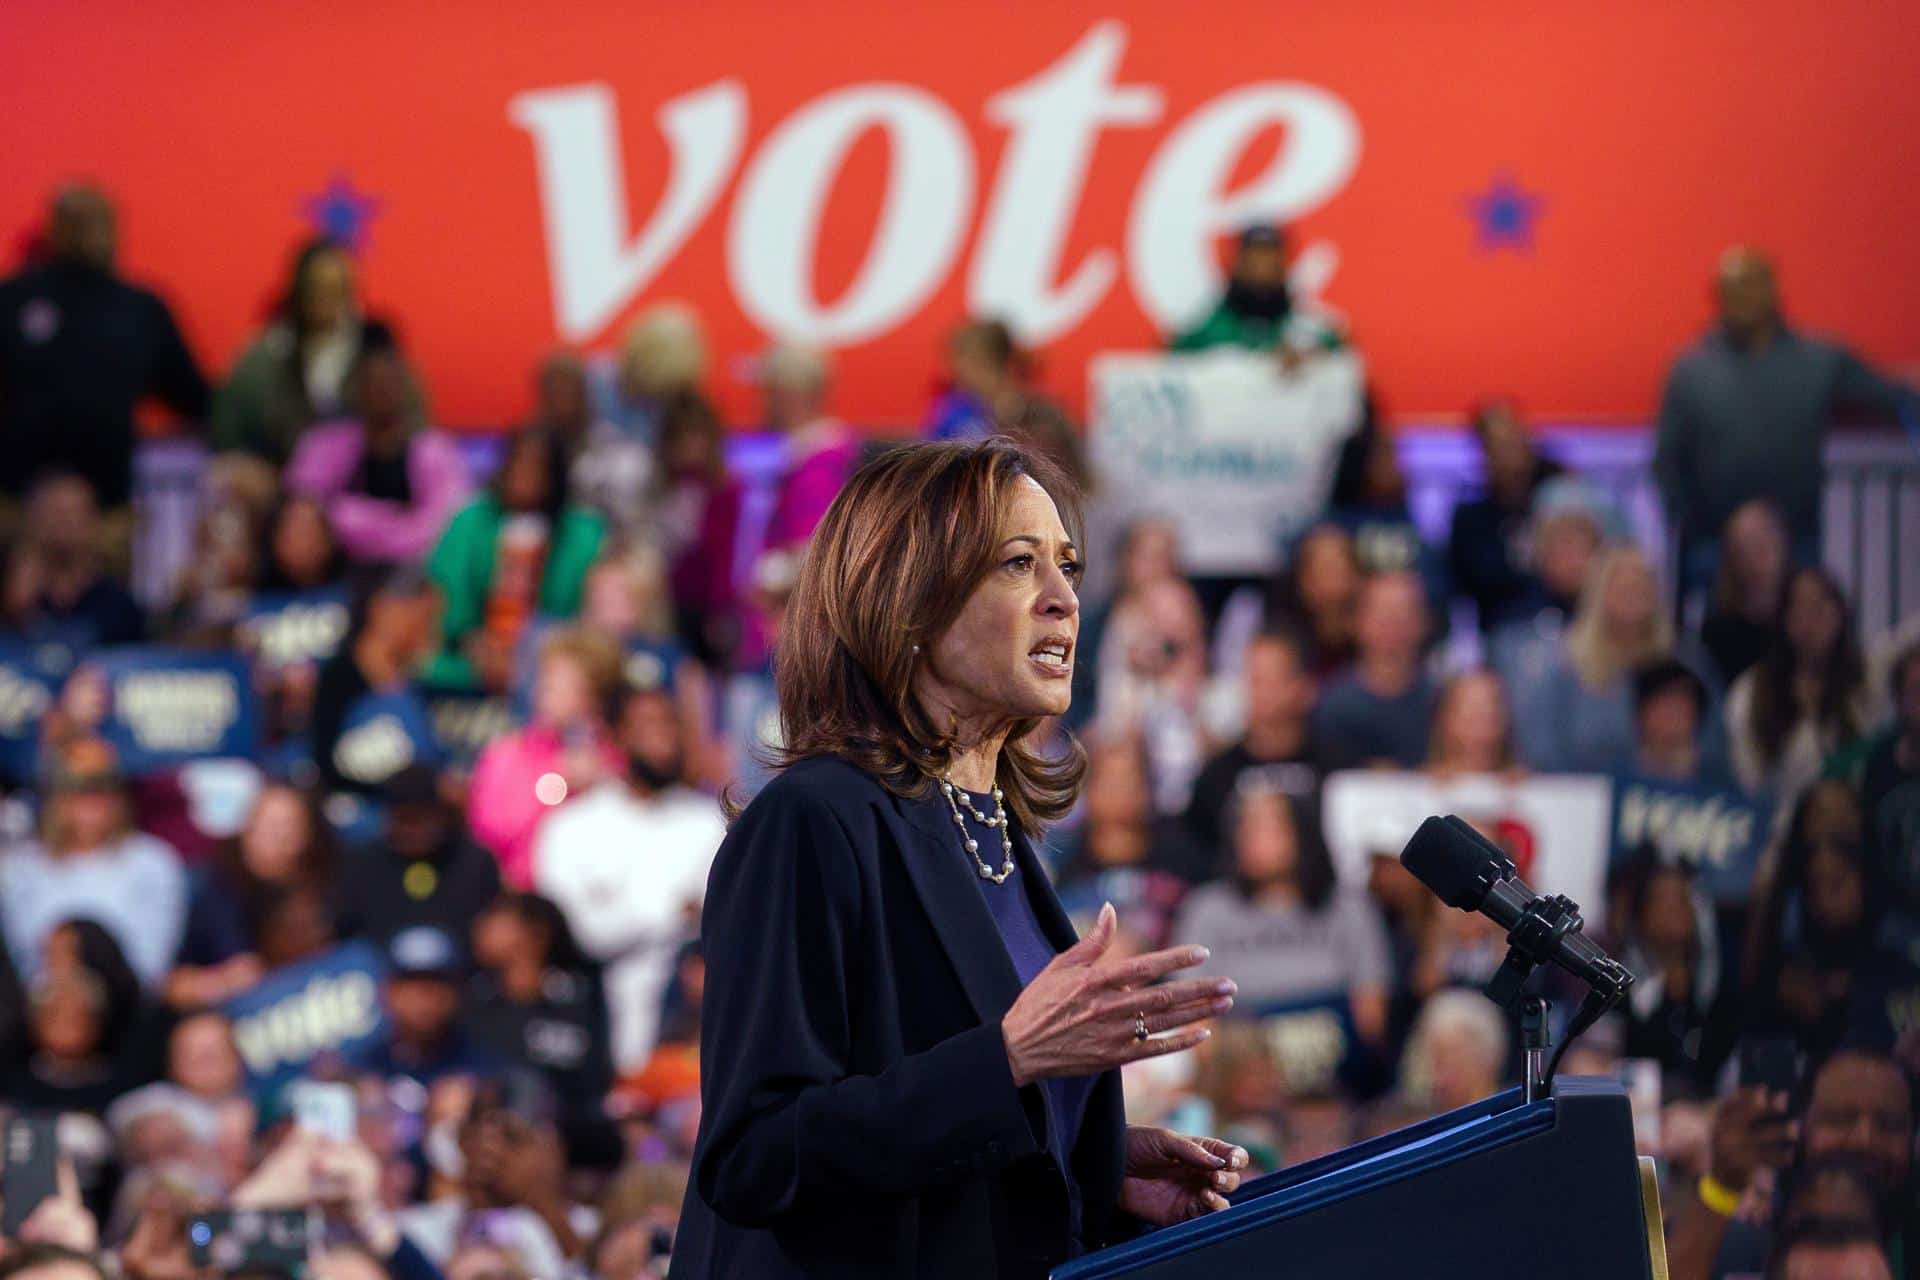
[909, 1064]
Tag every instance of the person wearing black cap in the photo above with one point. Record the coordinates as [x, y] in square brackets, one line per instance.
[422, 869]
[1257, 311]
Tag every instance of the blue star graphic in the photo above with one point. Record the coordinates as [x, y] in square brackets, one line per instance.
[1504, 215]
[341, 213]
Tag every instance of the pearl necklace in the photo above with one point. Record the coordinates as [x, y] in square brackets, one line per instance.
[957, 796]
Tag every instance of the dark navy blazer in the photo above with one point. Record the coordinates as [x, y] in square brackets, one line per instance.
[859, 1115]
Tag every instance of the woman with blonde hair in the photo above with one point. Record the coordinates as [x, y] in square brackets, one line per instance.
[664, 355]
[1576, 715]
[89, 862]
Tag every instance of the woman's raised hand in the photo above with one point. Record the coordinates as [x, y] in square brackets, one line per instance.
[1079, 1015]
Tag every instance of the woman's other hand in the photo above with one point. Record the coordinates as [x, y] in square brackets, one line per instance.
[1170, 1177]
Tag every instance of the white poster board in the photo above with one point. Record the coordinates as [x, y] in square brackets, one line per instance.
[1557, 827]
[1233, 448]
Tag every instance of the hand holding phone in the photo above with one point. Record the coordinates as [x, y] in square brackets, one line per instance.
[29, 1169]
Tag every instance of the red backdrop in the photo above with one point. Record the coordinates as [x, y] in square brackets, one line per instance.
[1650, 136]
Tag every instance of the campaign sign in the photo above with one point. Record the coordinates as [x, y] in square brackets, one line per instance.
[169, 706]
[288, 628]
[1719, 832]
[30, 676]
[464, 721]
[329, 1005]
[1312, 1040]
[383, 733]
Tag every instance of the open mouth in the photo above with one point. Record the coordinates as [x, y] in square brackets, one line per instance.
[1055, 653]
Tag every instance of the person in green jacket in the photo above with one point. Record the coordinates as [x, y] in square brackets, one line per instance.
[1257, 310]
[517, 551]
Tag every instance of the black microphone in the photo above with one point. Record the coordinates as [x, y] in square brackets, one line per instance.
[1468, 871]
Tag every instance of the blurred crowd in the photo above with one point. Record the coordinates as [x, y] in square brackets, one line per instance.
[503, 677]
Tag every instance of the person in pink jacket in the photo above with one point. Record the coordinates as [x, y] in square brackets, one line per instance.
[562, 751]
[389, 487]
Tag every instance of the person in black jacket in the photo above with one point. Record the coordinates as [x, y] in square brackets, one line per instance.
[909, 1065]
[1482, 548]
[79, 348]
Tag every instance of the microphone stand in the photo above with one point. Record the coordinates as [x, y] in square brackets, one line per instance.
[1530, 943]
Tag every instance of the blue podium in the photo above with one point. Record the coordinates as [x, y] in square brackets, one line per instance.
[1502, 1190]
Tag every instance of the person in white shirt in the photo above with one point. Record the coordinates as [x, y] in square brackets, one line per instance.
[627, 863]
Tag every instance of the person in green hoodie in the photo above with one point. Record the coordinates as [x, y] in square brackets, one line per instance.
[517, 551]
[1257, 309]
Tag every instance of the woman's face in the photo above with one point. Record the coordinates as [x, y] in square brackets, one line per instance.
[1458, 1067]
[1385, 484]
[1328, 574]
[90, 815]
[1813, 618]
[1836, 888]
[201, 1057]
[609, 601]
[276, 836]
[1509, 450]
[1116, 786]
[302, 543]
[1474, 724]
[1630, 597]
[524, 482]
[1564, 550]
[66, 1019]
[501, 936]
[327, 299]
[1009, 655]
[1266, 845]
[383, 388]
[1756, 549]
[562, 695]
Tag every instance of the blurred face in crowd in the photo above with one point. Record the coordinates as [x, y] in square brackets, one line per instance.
[793, 402]
[83, 229]
[326, 292]
[1861, 1107]
[302, 543]
[1756, 549]
[1669, 719]
[1009, 654]
[1385, 484]
[562, 391]
[201, 1058]
[1260, 266]
[66, 1015]
[417, 830]
[63, 518]
[1564, 550]
[297, 926]
[1472, 723]
[650, 733]
[1117, 793]
[274, 841]
[503, 937]
[1327, 572]
[628, 1250]
[1151, 554]
[1814, 616]
[974, 364]
[86, 815]
[1508, 448]
[382, 389]
[524, 478]
[1629, 598]
[1836, 886]
[1459, 1067]
[1392, 617]
[1861, 1261]
[1279, 690]
[421, 1007]
[1169, 628]
[562, 693]
[1266, 843]
[1745, 288]
[408, 625]
[1666, 923]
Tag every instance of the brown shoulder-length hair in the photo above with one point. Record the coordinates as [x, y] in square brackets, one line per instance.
[890, 566]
